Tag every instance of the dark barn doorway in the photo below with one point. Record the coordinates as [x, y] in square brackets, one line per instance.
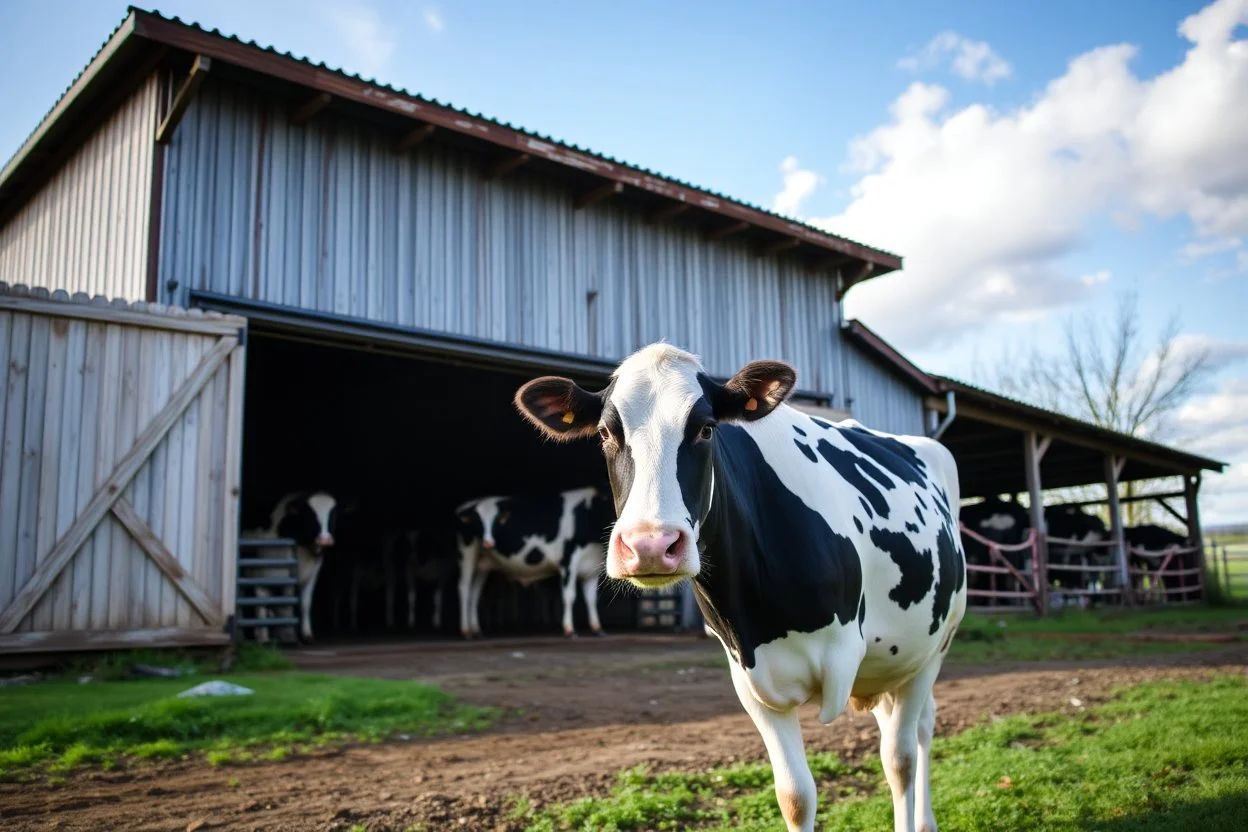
[409, 439]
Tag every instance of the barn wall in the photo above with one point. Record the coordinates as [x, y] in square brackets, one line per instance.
[82, 383]
[86, 230]
[326, 217]
[879, 398]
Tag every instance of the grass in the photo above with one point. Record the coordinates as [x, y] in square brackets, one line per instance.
[1112, 621]
[1237, 563]
[60, 725]
[1163, 757]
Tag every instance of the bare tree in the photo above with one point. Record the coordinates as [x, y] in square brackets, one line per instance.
[1104, 375]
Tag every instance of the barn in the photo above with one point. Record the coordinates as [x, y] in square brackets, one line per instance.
[231, 273]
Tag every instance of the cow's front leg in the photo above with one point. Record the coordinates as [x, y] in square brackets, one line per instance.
[782, 735]
[309, 568]
[467, 569]
[568, 579]
[474, 602]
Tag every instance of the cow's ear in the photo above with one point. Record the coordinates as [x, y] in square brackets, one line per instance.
[560, 408]
[757, 389]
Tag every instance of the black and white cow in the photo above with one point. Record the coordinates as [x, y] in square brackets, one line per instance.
[309, 519]
[529, 538]
[1071, 522]
[1001, 522]
[825, 557]
[1150, 544]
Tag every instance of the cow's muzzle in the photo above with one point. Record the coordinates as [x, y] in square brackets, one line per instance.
[651, 557]
[324, 541]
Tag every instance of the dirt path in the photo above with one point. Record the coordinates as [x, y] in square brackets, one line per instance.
[590, 709]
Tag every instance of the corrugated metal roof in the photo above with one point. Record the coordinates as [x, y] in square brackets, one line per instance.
[883, 260]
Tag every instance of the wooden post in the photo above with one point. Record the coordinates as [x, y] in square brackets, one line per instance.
[1112, 469]
[1033, 453]
[1191, 493]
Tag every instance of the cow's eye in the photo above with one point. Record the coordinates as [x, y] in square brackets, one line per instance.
[705, 434]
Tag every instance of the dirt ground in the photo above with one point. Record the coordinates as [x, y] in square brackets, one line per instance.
[580, 711]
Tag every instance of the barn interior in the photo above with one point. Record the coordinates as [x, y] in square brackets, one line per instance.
[406, 438]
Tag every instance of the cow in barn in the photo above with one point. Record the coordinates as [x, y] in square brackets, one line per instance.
[409, 553]
[825, 557]
[1001, 522]
[1148, 545]
[1071, 522]
[531, 537]
[310, 519]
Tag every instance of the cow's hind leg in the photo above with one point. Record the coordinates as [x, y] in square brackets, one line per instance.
[568, 579]
[589, 591]
[782, 735]
[905, 760]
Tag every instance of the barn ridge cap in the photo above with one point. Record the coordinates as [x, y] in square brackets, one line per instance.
[145, 39]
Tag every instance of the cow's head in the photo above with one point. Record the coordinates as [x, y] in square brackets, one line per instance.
[482, 520]
[656, 421]
[310, 521]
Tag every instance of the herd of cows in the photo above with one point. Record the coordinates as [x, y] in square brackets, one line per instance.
[1076, 539]
[826, 558]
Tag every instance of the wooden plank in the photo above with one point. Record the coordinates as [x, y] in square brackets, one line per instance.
[105, 455]
[413, 137]
[225, 325]
[129, 465]
[49, 473]
[231, 485]
[196, 527]
[185, 95]
[1115, 525]
[168, 482]
[1035, 490]
[32, 452]
[84, 565]
[188, 472]
[109, 640]
[504, 166]
[598, 194]
[138, 491]
[121, 598]
[14, 354]
[169, 566]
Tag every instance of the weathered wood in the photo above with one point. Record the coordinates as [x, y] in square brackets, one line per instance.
[778, 246]
[52, 565]
[48, 642]
[306, 111]
[667, 211]
[147, 492]
[169, 481]
[14, 349]
[182, 100]
[105, 456]
[226, 325]
[1032, 454]
[504, 166]
[32, 451]
[726, 231]
[598, 194]
[1169, 509]
[1112, 469]
[169, 566]
[47, 531]
[124, 605]
[413, 137]
[232, 485]
[1195, 536]
[88, 413]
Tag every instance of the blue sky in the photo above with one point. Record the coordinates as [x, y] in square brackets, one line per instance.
[1021, 187]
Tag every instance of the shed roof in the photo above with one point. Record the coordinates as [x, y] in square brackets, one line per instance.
[986, 435]
[146, 40]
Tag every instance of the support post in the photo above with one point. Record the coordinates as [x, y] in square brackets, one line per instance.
[1191, 494]
[1033, 453]
[1112, 468]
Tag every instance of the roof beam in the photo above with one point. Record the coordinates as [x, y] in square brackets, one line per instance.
[413, 137]
[783, 244]
[306, 111]
[604, 191]
[181, 101]
[505, 165]
[726, 231]
[666, 211]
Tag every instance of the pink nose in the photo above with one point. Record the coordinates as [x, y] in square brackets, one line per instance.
[324, 540]
[651, 552]
[487, 544]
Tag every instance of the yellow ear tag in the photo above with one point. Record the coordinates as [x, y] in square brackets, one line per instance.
[569, 418]
[752, 404]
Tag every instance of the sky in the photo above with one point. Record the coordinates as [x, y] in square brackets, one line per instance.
[1029, 161]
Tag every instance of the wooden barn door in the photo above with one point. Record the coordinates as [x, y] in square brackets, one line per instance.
[120, 437]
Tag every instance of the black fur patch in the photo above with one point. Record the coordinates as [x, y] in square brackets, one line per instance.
[916, 567]
[805, 449]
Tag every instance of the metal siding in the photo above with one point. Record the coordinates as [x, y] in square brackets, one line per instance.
[326, 217]
[880, 399]
[86, 230]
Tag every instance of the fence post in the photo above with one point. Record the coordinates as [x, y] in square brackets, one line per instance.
[1033, 453]
[1112, 468]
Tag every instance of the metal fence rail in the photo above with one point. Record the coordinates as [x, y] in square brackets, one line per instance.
[267, 594]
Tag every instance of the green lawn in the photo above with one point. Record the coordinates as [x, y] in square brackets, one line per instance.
[1110, 622]
[1166, 757]
[57, 725]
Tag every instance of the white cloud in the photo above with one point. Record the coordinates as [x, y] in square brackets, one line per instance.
[799, 184]
[433, 19]
[1095, 278]
[983, 204]
[973, 60]
[371, 43]
[1206, 248]
[1216, 425]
